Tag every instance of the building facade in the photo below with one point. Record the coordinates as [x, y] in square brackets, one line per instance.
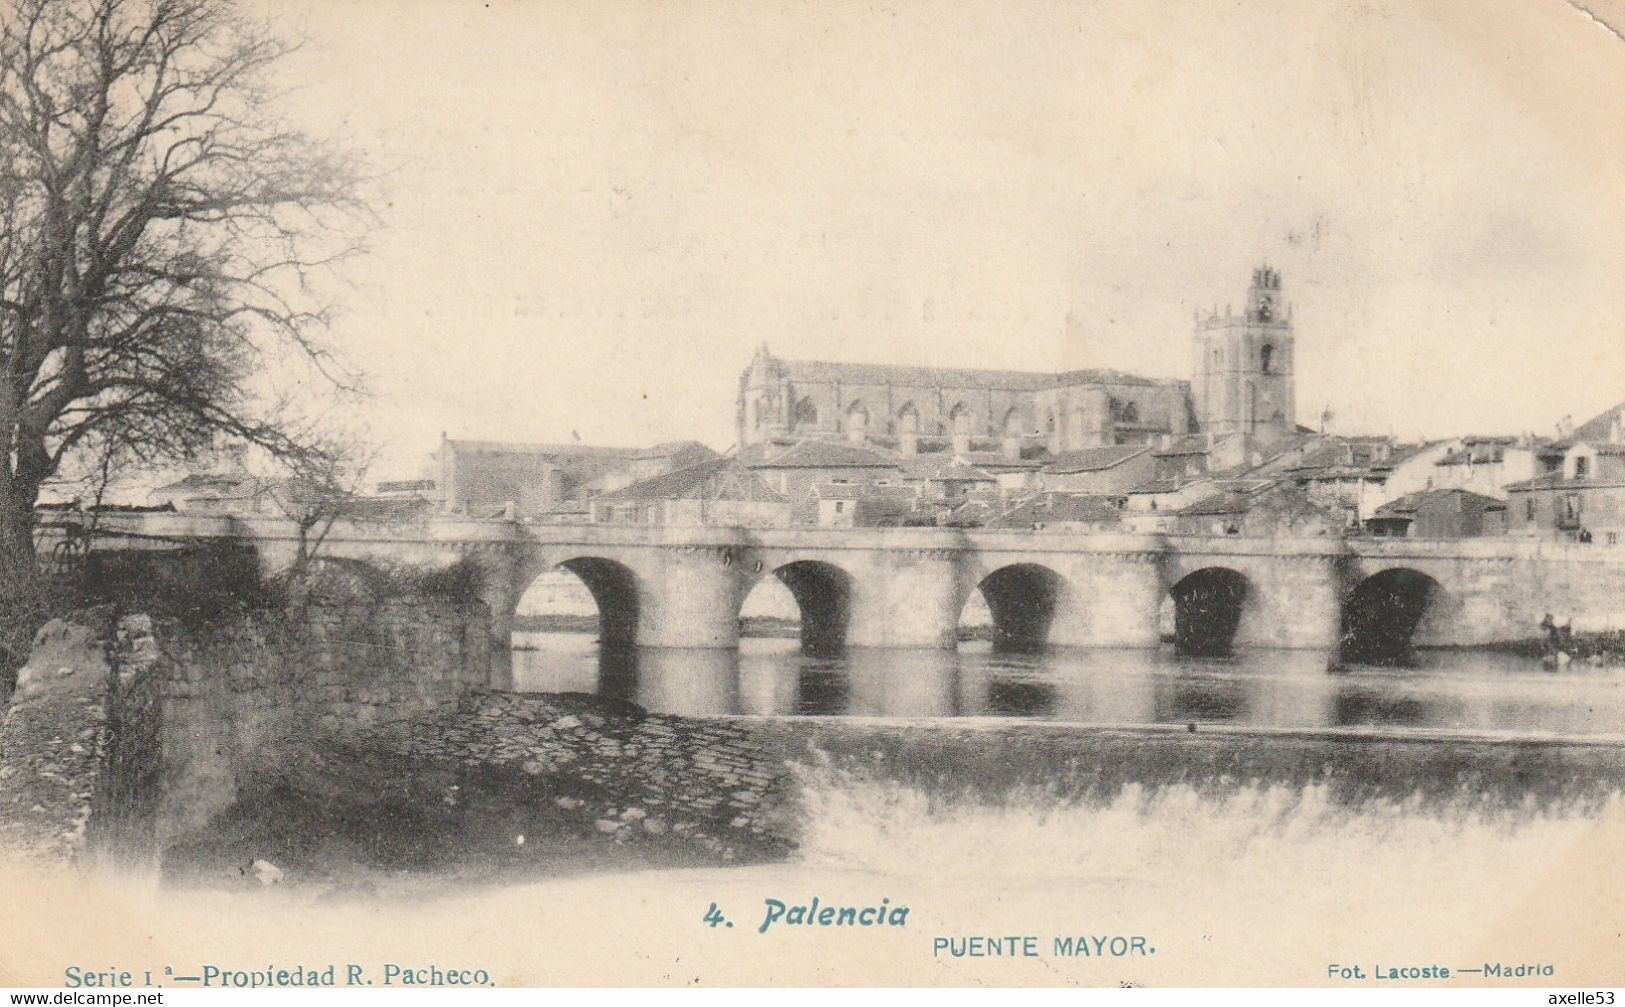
[1580, 493]
[1243, 383]
[1243, 373]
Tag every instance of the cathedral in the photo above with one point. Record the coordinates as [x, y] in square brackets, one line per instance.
[1241, 383]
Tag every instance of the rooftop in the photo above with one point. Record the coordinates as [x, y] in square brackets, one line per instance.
[814, 454]
[1094, 459]
[918, 376]
[1059, 508]
[716, 479]
[1410, 503]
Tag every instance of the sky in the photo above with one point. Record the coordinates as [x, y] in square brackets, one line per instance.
[596, 211]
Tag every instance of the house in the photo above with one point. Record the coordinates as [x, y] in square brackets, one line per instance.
[1580, 492]
[1439, 513]
[1261, 509]
[227, 492]
[1363, 473]
[536, 481]
[945, 479]
[1061, 512]
[1488, 465]
[794, 471]
[862, 505]
[719, 492]
[976, 511]
[1103, 471]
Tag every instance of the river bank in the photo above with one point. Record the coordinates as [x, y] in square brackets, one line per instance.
[515, 788]
[1604, 649]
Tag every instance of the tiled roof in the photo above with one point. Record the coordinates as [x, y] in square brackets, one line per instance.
[1171, 484]
[1218, 503]
[1555, 481]
[815, 454]
[197, 482]
[678, 449]
[884, 491]
[1276, 497]
[939, 469]
[1058, 508]
[1094, 459]
[1410, 503]
[1340, 458]
[1475, 454]
[1599, 428]
[717, 479]
[995, 461]
[1191, 444]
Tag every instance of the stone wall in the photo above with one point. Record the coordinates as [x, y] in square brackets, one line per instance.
[621, 770]
[125, 803]
[241, 696]
[142, 732]
[51, 741]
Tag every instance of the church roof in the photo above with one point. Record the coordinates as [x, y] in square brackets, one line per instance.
[950, 377]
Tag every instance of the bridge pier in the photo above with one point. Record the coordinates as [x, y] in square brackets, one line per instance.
[1110, 600]
[907, 598]
[690, 599]
[1299, 608]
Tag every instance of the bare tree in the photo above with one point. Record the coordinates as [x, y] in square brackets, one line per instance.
[162, 241]
[324, 487]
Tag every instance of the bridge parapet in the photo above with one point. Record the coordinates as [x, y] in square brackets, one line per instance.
[682, 586]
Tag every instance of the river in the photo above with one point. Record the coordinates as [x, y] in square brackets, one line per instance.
[1446, 690]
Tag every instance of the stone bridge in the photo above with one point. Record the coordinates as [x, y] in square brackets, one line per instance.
[682, 587]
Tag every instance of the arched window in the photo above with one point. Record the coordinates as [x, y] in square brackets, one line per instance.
[857, 416]
[1012, 422]
[1131, 413]
[1266, 357]
[959, 418]
[806, 413]
[1114, 409]
[908, 419]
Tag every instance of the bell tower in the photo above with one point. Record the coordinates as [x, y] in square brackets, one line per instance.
[1243, 378]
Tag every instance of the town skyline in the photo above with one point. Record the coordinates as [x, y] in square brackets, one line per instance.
[619, 209]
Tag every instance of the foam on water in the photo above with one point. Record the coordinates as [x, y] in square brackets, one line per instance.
[1151, 832]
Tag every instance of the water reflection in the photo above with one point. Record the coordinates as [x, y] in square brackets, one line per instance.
[1280, 689]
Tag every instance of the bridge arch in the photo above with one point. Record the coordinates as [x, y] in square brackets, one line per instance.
[584, 645]
[823, 596]
[1022, 599]
[1385, 613]
[1207, 609]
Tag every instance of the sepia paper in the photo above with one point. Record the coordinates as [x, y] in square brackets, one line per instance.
[592, 217]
